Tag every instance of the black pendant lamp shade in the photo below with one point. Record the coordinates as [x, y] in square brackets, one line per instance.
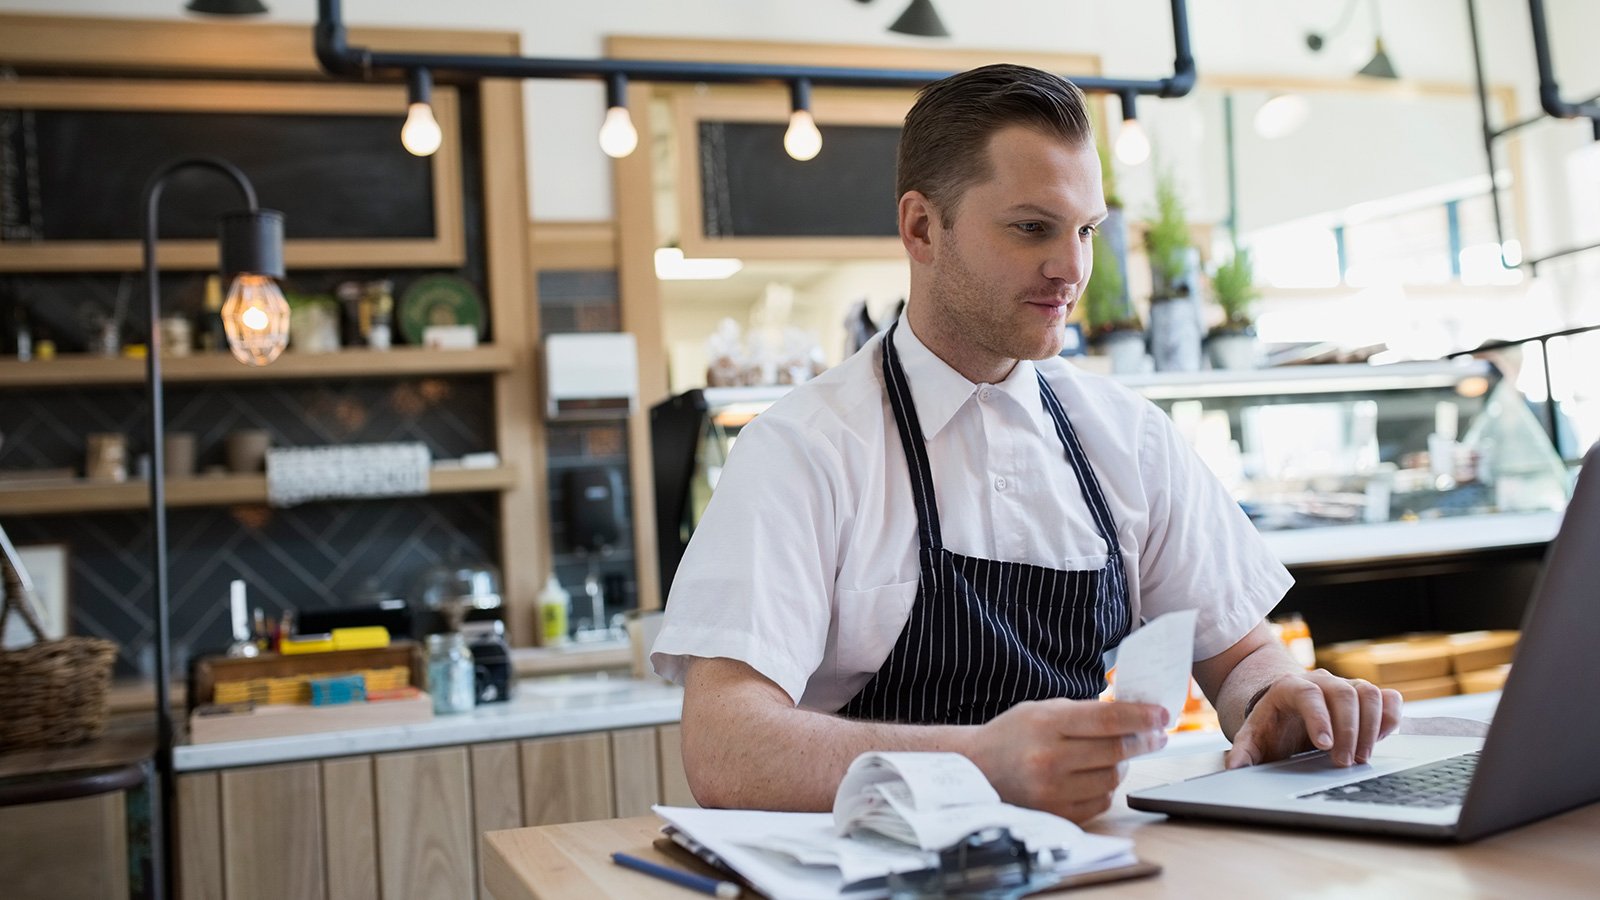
[1379, 66]
[252, 243]
[921, 19]
[227, 7]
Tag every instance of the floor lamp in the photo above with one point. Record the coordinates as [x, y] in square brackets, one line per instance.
[256, 319]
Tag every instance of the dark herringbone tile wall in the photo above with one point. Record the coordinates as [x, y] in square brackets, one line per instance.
[304, 557]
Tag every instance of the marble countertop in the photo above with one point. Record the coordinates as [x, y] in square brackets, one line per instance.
[541, 707]
[1397, 540]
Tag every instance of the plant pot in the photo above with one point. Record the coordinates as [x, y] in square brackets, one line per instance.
[1175, 333]
[1233, 350]
[1125, 349]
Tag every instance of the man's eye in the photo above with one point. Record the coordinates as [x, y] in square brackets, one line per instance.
[1089, 231]
[1030, 227]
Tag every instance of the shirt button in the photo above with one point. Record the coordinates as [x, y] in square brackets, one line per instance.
[983, 394]
[1000, 483]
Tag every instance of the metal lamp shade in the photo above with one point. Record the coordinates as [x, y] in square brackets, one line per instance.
[252, 242]
[1379, 66]
[227, 7]
[920, 18]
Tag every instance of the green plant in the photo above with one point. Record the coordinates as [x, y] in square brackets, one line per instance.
[1108, 175]
[1167, 239]
[1234, 285]
[1103, 303]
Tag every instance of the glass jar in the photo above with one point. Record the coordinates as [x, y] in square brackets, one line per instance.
[450, 673]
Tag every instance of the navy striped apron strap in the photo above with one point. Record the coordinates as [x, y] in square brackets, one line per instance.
[899, 391]
[1099, 510]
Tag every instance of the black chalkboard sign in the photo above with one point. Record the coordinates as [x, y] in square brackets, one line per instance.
[77, 175]
[751, 188]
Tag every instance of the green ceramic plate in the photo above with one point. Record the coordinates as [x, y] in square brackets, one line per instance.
[439, 300]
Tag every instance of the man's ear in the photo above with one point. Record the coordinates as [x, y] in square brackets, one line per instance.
[918, 222]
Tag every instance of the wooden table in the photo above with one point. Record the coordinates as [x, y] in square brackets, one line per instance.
[1558, 857]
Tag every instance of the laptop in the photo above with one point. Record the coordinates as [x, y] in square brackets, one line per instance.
[1538, 758]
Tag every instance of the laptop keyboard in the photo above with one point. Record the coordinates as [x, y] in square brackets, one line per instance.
[1443, 783]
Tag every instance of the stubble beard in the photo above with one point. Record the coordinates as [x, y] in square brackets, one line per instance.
[974, 317]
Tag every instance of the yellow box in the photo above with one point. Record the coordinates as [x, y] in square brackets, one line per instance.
[1425, 688]
[363, 638]
[1404, 658]
[1473, 651]
[306, 643]
[1483, 679]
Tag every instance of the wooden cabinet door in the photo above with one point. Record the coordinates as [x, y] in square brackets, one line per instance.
[674, 783]
[425, 830]
[67, 848]
[350, 817]
[496, 795]
[199, 837]
[272, 841]
[566, 779]
[635, 771]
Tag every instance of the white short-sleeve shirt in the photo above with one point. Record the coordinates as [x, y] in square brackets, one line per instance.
[804, 565]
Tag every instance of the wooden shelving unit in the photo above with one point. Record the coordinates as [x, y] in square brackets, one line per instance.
[78, 370]
[79, 496]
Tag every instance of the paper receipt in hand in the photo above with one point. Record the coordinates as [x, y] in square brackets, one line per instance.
[1153, 663]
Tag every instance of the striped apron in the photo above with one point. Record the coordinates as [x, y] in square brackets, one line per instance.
[985, 635]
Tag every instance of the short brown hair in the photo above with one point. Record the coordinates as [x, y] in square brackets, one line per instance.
[945, 140]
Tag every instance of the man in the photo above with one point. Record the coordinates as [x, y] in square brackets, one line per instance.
[931, 546]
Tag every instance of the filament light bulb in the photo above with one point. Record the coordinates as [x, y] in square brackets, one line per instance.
[802, 141]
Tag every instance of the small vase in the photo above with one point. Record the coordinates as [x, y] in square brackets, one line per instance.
[1233, 350]
[1175, 333]
[1125, 349]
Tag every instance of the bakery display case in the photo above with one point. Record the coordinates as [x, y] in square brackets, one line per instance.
[1319, 446]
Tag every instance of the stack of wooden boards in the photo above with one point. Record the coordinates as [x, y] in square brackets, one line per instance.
[1422, 666]
[272, 695]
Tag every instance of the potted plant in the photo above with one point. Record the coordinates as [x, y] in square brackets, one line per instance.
[1114, 328]
[1174, 310]
[1232, 344]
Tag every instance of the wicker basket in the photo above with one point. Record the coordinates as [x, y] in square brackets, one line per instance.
[52, 692]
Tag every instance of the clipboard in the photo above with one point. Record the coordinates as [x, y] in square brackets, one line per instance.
[684, 850]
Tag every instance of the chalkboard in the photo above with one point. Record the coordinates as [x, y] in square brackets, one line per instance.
[751, 188]
[77, 175]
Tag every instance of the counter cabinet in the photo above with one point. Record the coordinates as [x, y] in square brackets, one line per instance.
[406, 824]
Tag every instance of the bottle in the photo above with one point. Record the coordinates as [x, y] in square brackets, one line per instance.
[450, 673]
[23, 331]
[381, 314]
[555, 610]
[208, 328]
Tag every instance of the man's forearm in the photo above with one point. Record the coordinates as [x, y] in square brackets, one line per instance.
[1248, 680]
[763, 755]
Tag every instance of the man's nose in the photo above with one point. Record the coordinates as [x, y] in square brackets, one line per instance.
[1069, 261]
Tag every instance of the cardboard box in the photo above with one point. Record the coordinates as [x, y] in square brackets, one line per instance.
[1425, 688]
[1483, 679]
[1397, 659]
[1474, 651]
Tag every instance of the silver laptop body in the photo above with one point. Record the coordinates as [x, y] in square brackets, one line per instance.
[1537, 760]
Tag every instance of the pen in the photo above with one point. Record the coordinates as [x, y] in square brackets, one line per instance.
[689, 880]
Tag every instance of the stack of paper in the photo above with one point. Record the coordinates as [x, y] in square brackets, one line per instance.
[892, 814]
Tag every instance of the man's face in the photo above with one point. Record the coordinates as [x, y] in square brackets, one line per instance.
[1010, 268]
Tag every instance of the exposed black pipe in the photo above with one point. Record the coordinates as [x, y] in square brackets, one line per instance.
[338, 58]
[1549, 91]
[1487, 131]
[1552, 104]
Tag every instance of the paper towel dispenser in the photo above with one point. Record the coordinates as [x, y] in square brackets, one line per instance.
[591, 376]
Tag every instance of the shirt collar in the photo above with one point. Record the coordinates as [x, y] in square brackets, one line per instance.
[939, 391]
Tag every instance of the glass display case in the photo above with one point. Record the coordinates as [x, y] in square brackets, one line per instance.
[1335, 464]
[691, 434]
[1312, 446]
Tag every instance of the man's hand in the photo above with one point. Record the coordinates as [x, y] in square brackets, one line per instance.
[1065, 756]
[1345, 717]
